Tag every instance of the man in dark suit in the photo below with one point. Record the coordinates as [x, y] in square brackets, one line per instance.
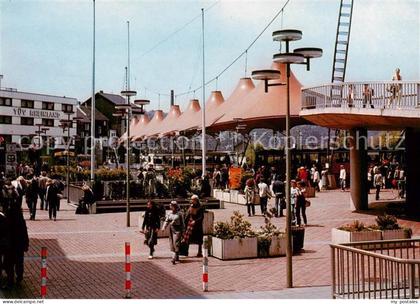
[52, 198]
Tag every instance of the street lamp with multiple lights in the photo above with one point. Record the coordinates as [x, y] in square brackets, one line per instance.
[68, 124]
[298, 56]
[126, 111]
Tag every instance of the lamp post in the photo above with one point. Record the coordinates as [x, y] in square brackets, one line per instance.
[67, 124]
[41, 130]
[125, 111]
[298, 56]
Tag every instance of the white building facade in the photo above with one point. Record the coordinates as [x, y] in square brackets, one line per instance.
[23, 114]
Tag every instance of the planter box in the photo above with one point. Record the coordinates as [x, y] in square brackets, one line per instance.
[218, 194]
[234, 196]
[340, 236]
[310, 192]
[226, 197]
[278, 246]
[241, 199]
[396, 234]
[208, 223]
[234, 249]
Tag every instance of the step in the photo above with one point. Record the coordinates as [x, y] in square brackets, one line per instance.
[342, 42]
[345, 15]
[341, 70]
[337, 78]
[343, 33]
[340, 60]
[344, 24]
[341, 51]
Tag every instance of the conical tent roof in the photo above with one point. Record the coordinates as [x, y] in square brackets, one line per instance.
[243, 88]
[189, 119]
[213, 104]
[141, 124]
[153, 124]
[133, 122]
[265, 110]
[169, 122]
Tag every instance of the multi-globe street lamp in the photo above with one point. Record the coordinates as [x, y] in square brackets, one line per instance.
[68, 124]
[126, 111]
[298, 56]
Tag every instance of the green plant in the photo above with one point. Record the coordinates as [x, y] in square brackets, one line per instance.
[355, 226]
[265, 236]
[237, 227]
[387, 222]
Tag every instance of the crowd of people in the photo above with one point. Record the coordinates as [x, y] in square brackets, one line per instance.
[185, 228]
[14, 239]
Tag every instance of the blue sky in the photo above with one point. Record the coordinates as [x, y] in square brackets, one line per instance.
[46, 46]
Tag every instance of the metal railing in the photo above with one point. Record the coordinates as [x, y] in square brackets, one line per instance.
[376, 95]
[378, 269]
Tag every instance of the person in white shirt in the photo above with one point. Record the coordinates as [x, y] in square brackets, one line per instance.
[316, 179]
[377, 181]
[342, 178]
[264, 193]
[294, 192]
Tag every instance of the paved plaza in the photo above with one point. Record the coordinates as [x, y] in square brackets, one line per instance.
[86, 258]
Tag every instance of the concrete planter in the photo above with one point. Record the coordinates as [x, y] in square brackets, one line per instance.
[234, 196]
[310, 192]
[278, 246]
[396, 234]
[218, 194]
[208, 223]
[241, 199]
[226, 197]
[234, 249]
[340, 236]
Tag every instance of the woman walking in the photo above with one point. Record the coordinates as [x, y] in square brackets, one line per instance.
[175, 221]
[150, 227]
[250, 191]
[194, 225]
[301, 204]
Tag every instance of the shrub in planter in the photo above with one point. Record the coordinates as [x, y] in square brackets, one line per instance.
[390, 228]
[269, 240]
[355, 232]
[234, 239]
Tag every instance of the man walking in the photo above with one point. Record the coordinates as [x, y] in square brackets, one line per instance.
[343, 176]
[265, 194]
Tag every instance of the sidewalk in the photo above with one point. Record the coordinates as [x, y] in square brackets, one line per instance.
[86, 258]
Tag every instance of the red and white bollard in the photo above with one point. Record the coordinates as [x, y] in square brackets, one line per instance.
[206, 264]
[43, 272]
[127, 271]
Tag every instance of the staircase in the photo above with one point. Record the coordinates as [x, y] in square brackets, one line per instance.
[341, 49]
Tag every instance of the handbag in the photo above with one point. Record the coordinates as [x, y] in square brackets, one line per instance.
[307, 203]
[183, 248]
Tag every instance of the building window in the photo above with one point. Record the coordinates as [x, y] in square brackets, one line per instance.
[27, 104]
[48, 122]
[6, 120]
[5, 102]
[67, 108]
[47, 105]
[26, 121]
[87, 127]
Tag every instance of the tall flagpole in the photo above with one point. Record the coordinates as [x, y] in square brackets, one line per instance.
[92, 125]
[203, 109]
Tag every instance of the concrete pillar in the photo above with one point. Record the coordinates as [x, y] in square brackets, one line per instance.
[358, 169]
[412, 151]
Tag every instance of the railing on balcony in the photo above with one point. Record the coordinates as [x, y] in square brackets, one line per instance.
[370, 95]
[376, 270]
